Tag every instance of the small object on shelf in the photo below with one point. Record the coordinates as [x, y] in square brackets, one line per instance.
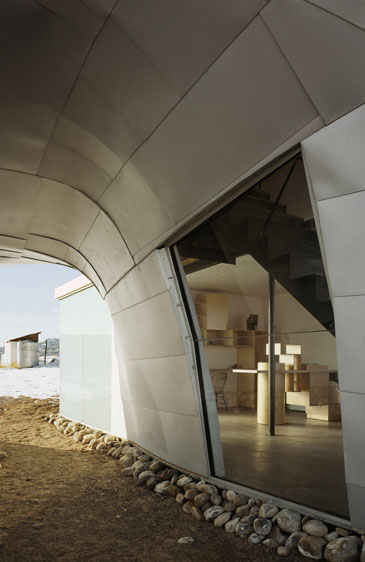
[252, 322]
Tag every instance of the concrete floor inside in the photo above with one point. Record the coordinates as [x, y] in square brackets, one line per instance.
[303, 462]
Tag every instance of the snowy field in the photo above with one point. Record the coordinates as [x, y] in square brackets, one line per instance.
[38, 382]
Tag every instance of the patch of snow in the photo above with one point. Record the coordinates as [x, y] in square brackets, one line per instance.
[37, 382]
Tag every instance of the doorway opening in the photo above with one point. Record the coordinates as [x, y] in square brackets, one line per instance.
[280, 425]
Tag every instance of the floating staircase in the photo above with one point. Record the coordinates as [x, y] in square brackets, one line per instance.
[286, 246]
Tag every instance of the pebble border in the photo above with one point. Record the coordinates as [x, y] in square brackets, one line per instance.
[258, 521]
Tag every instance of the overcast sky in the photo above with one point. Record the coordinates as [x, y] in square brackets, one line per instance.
[27, 302]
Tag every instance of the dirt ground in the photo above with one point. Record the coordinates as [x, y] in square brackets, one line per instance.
[61, 502]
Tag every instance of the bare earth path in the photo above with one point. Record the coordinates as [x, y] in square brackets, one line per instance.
[59, 502]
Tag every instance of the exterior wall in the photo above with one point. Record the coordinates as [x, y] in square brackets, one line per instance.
[10, 356]
[335, 166]
[86, 359]
[27, 354]
[157, 374]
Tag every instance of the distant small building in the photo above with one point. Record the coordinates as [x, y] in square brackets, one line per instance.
[22, 352]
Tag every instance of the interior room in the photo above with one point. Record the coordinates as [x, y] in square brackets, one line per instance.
[269, 232]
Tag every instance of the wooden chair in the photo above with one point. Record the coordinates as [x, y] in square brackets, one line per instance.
[219, 380]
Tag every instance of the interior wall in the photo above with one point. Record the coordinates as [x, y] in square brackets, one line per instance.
[292, 319]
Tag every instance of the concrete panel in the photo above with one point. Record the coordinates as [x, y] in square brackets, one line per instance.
[96, 115]
[63, 212]
[334, 156]
[18, 194]
[77, 158]
[101, 7]
[153, 383]
[351, 10]
[133, 86]
[350, 338]
[356, 495]
[342, 226]
[47, 246]
[148, 330]
[24, 133]
[331, 70]
[228, 118]
[91, 274]
[182, 39]
[77, 14]
[135, 208]
[106, 251]
[43, 57]
[141, 283]
[353, 423]
[174, 437]
[73, 257]
[65, 165]
[12, 244]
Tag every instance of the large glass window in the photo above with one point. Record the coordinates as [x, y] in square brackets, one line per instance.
[269, 232]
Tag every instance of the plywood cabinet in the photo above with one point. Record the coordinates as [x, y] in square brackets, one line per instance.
[214, 307]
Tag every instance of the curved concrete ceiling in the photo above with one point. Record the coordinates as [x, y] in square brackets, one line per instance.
[122, 120]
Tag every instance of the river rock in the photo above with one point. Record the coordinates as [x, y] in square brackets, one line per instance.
[126, 461]
[156, 466]
[151, 482]
[254, 510]
[289, 520]
[343, 532]
[144, 458]
[213, 512]
[332, 536]
[162, 488]
[190, 494]
[216, 499]
[240, 499]
[180, 499]
[184, 480]
[144, 476]
[230, 495]
[229, 506]
[283, 551]
[277, 535]
[243, 529]
[270, 543]
[222, 519]
[312, 547]
[254, 538]
[242, 510]
[186, 540]
[208, 489]
[262, 526]
[174, 478]
[230, 526]
[197, 513]
[188, 507]
[173, 490]
[205, 507]
[109, 438]
[190, 486]
[294, 538]
[251, 502]
[362, 555]
[344, 549]
[127, 471]
[201, 499]
[170, 473]
[268, 510]
[315, 528]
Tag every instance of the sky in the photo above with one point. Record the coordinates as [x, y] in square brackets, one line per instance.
[27, 302]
